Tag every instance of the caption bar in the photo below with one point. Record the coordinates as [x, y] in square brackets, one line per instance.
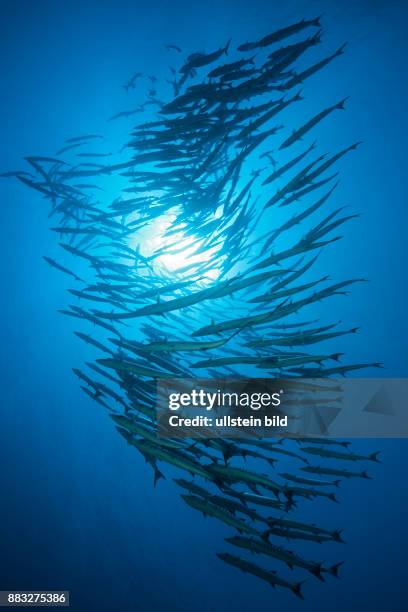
[266, 407]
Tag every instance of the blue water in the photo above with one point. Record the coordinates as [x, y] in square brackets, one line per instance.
[78, 509]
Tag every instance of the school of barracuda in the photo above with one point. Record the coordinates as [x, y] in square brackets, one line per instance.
[204, 158]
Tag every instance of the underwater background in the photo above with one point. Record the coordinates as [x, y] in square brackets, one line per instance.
[78, 509]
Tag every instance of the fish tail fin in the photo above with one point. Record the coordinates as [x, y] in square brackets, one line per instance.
[226, 48]
[341, 104]
[317, 38]
[157, 475]
[334, 569]
[336, 535]
[340, 50]
[316, 22]
[354, 146]
[336, 483]
[374, 457]
[226, 456]
[271, 461]
[364, 474]
[317, 571]
[251, 60]
[298, 97]
[296, 588]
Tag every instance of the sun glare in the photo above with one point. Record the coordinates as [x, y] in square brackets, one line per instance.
[176, 251]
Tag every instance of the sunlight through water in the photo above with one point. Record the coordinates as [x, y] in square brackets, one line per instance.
[176, 251]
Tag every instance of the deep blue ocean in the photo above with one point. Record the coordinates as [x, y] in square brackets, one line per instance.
[78, 510]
